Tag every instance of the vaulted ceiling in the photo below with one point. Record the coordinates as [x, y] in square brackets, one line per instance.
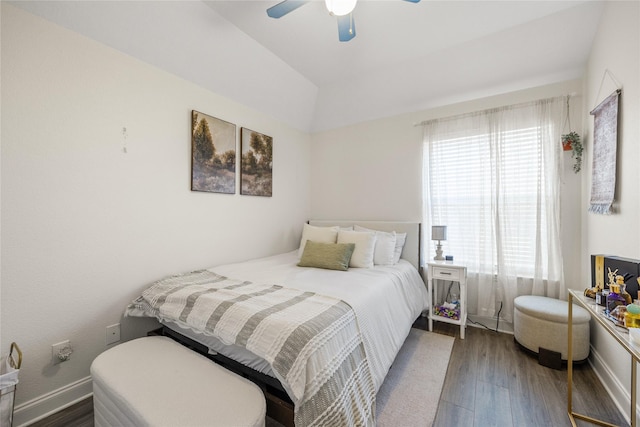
[405, 56]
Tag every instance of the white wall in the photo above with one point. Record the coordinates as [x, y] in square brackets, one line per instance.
[191, 40]
[373, 170]
[616, 48]
[369, 171]
[85, 226]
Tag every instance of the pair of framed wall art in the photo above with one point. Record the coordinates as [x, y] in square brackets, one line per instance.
[213, 158]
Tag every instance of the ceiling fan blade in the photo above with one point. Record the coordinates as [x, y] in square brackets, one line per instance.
[285, 7]
[346, 27]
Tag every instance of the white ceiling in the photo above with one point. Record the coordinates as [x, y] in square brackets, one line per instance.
[405, 56]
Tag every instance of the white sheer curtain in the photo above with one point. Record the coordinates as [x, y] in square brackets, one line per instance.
[493, 177]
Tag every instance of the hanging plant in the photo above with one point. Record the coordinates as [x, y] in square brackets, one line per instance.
[571, 141]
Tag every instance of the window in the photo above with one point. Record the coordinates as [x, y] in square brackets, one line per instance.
[464, 182]
[493, 178]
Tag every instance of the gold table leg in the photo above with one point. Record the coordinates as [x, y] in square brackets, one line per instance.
[572, 415]
[633, 391]
[570, 361]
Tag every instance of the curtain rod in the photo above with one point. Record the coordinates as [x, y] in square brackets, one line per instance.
[522, 104]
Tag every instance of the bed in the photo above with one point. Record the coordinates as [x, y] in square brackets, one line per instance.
[349, 325]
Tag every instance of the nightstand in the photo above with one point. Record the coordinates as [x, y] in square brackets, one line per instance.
[448, 272]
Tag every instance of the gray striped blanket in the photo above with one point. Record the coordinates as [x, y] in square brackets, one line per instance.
[311, 341]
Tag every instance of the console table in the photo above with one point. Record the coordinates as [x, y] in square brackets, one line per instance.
[620, 335]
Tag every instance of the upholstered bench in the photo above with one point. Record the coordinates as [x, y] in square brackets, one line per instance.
[154, 381]
[540, 325]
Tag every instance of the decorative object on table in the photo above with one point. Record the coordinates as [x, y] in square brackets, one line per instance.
[592, 292]
[597, 278]
[256, 177]
[439, 233]
[601, 297]
[605, 141]
[614, 299]
[632, 316]
[213, 154]
[597, 272]
[448, 309]
[627, 267]
[617, 315]
[623, 289]
[611, 275]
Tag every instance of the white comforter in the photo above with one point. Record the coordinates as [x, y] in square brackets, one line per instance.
[386, 299]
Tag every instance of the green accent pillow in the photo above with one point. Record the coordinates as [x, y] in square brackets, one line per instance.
[332, 256]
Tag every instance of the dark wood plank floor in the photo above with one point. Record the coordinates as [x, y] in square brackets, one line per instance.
[78, 415]
[490, 382]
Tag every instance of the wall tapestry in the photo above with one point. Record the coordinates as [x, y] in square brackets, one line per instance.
[213, 154]
[256, 177]
[605, 141]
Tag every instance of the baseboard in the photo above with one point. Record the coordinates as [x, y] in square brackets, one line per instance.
[41, 407]
[616, 390]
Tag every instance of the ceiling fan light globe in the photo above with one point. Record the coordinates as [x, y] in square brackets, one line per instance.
[340, 7]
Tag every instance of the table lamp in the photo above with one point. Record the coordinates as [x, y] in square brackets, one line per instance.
[439, 233]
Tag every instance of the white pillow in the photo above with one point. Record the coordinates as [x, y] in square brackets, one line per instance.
[385, 248]
[400, 239]
[317, 234]
[365, 246]
[384, 252]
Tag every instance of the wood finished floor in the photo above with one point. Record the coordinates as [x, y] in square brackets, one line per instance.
[490, 382]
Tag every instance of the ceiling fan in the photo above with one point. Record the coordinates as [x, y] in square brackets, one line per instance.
[341, 9]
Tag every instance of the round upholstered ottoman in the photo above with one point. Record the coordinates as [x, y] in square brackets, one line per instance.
[540, 325]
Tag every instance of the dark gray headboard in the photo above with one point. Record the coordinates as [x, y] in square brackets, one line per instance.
[411, 251]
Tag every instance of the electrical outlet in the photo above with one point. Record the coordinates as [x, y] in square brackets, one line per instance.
[61, 352]
[113, 334]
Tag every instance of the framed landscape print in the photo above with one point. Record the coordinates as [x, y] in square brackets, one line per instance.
[213, 154]
[256, 172]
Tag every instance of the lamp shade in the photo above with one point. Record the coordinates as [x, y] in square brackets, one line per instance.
[439, 232]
